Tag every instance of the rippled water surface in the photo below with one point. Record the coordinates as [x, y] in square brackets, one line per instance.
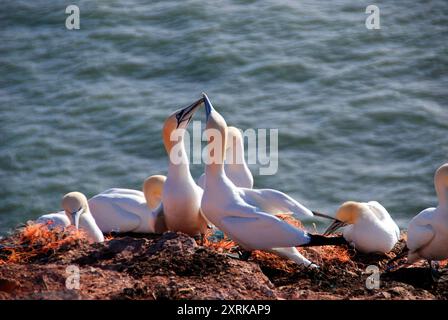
[361, 114]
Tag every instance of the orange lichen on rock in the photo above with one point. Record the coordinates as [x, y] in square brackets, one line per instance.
[36, 239]
[339, 253]
[318, 255]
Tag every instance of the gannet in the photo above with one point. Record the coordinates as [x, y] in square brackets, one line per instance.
[127, 210]
[181, 195]
[235, 165]
[53, 220]
[428, 231]
[368, 227]
[247, 216]
[77, 210]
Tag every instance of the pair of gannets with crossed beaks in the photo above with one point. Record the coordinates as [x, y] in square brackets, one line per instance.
[117, 210]
[367, 226]
[125, 210]
[246, 215]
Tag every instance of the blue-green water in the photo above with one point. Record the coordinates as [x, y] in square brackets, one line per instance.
[362, 114]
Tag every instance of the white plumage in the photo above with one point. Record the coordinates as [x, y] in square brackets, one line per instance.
[235, 164]
[428, 231]
[125, 210]
[369, 227]
[248, 216]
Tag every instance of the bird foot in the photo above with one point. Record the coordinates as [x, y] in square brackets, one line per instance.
[244, 255]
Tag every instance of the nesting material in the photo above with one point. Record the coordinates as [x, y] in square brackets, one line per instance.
[37, 239]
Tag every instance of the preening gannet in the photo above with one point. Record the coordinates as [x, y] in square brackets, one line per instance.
[428, 231]
[181, 195]
[235, 165]
[127, 210]
[367, 226]
[77, 209]
[247, 216]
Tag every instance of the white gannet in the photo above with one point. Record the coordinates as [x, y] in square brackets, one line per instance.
[181, 195]
[368, 227]
[77, 209]
[428, 231]
[247, 216]
[127, 210]
[235, 165]
[53, 220]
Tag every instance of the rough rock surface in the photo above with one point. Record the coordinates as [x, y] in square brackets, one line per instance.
[174, 266]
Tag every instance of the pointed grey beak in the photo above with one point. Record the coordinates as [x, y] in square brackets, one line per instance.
[334, 226]
[186, 114]
[208, 105]
[75, 216]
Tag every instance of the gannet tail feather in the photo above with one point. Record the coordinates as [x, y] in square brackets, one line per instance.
[317, 240]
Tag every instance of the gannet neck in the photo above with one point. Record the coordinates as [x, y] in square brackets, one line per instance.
[234, 155]
[441, 184]
[216, 134]
[214, 170]
[89, 226]
[173, 139]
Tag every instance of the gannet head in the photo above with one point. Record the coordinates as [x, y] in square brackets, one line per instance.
[348, 213]
[216, 129]
[178, 120]
[441, 183]
[74, 205]
[152, 189]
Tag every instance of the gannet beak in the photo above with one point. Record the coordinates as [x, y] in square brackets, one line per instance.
[322, 215]
[76, 215]
[187, 113]
[334, 226]
[208, 105]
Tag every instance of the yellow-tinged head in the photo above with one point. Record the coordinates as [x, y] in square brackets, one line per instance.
[74, 204]
[349, 212]
[153, 189]
[178, 120]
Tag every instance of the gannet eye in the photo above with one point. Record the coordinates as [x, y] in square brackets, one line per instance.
[179, 115]
[76, 210]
